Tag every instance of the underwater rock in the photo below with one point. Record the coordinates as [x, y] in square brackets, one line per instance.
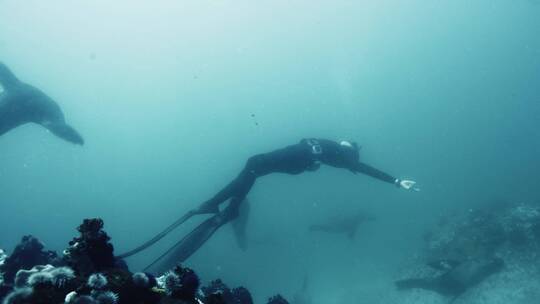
[27, 254]
[57, 277]
[90, 252]
[22, 276]
[215, 288]
[105, 297]
[277, 299]
[143, 280]
[3, 257]
[19, 296]
[44, 283]
[4, 290]
[97, 281]
[94, 276]
[180, 283]
[468, 248]
[522, 225]
[217, 292]
[242, 296]
[83, 300]
[61, 276]
[486, 232]
[40, 279]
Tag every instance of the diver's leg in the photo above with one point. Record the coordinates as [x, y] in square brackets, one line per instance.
[242, 184]
[64, 131]
[239, 187]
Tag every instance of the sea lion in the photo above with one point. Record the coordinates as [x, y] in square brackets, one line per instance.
[21, 103]
[458, 278]
[347, 225]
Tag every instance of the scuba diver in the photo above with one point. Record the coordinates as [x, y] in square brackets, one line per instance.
[21, 103]
[307, 155]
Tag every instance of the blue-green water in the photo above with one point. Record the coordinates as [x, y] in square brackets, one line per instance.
[173, 96]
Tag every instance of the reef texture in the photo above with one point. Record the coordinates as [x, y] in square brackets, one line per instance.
[507, 233]
[88, 272]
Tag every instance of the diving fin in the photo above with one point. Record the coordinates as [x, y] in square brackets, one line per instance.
[182, 250]
[239, 224]
[160, 235]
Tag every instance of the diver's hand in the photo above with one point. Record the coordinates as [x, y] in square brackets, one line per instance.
[407, 184]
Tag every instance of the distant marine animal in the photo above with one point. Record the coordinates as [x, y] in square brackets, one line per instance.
[21, 103]
[457, 276]
[347, 225]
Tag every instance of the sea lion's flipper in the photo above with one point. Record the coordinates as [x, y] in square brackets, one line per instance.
[64, 131]
[240, 223]
[182, 250]
[415, 283]
[8, 80]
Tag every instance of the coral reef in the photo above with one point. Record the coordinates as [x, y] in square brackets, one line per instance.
[42, 284]
[97, 281]
[218, 292]
[3, 257]
[278, 299]
[143, 280]
[90, 252]
[88, 272]
[22, 295]
[26, 255]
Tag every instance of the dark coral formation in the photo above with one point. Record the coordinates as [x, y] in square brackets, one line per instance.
[91, 251]
[182, 283]
[29, 253]
[217, 292]
[278, 299]
[89, 273]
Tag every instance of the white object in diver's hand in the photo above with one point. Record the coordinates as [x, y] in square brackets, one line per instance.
[407, 184]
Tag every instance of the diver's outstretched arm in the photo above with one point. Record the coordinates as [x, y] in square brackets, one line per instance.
[385, 177]
[373, 172]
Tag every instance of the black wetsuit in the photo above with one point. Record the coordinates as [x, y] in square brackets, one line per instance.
[21, 103]
[307, 155]
[295, 159]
